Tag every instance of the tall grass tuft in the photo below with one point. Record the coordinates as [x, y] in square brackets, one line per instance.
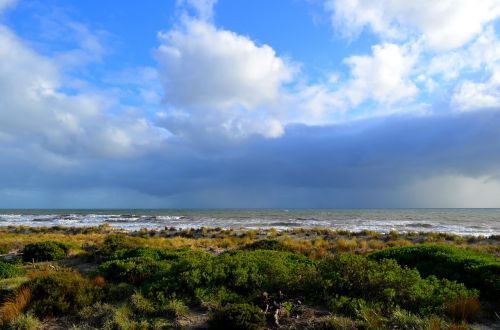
[15, 305]
[464, 308]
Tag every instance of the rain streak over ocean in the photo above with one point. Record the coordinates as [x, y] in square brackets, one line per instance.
[459, 221]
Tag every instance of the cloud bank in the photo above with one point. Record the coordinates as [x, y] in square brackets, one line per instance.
[227, 121]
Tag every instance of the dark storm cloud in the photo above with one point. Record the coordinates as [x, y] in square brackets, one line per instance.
[310, 164]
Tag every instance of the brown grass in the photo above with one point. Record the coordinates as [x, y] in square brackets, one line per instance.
[347, 244]
[15, 305]
[98, 280]
[464, 309]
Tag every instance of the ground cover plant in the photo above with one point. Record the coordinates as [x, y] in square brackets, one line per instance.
[232, 279]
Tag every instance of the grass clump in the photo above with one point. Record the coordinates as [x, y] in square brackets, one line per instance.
[45, 251]
[25, 322]
[142, 305]
[174, 308]
[238, 317]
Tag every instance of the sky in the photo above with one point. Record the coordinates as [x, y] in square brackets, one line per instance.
[249, 104]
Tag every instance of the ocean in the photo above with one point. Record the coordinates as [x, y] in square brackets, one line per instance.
[484, 222]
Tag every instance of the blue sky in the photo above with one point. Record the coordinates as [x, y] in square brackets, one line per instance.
[286, 103]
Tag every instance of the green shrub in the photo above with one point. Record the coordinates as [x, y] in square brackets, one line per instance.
[213, 298]
[252, 272]
[45, 251]
[345, 305]
[118, 291]
[61, 294]
[114, 243]
[385, 283]
[474, 269]
[201, 277]
[8, 270]
[238, 317]
[134, 270]
[267, 244]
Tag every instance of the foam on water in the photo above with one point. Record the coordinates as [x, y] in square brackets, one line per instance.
[459, 221]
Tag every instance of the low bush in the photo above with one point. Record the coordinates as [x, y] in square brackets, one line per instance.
[213, 298]
[474, 269]
[8, 270]
[114, 243]
[45, 251]
[133, 270]
[267, 244]
[115, 292]
[61, 293]
[199, 276]
[238, 317]
[384, 283]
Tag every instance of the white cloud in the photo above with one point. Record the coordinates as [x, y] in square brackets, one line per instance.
[482, 53]
[443, 24]
[34, 110]
[471, 95]
[214, 73]
[383, 76]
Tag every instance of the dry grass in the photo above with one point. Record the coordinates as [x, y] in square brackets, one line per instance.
[399, 242]
[98, 280]
[312, 242]
[347, 244]
[15, 305]
[464, 309]
[376, 244]
[434, 322]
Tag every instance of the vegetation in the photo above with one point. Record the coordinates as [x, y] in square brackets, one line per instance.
[229, 279]
[474, 269]
[238, 317]
[61, 293]
[8, 270]
[45, 251]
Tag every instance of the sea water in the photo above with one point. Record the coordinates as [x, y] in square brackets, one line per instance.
[459, 221]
